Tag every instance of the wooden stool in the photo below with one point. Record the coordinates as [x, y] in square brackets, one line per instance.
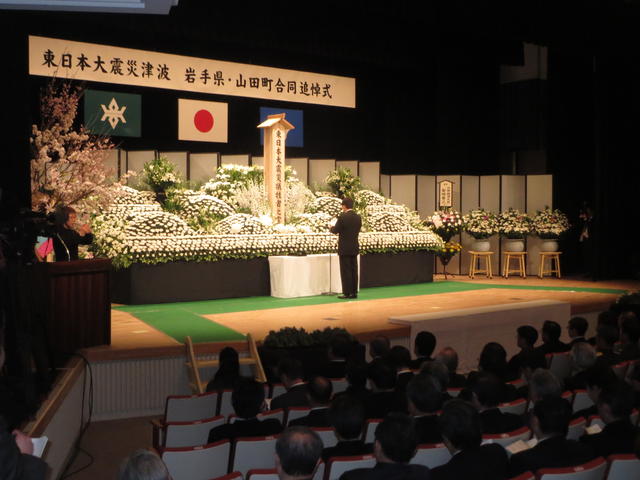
[522, 269]
[551, 256]
[475, 259]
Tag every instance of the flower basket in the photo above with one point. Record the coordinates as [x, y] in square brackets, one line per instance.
[445, 223]
[450, 250]
[513, 224]
[550, 224]
[480, 224]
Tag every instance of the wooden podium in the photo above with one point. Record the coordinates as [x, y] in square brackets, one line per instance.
[77, 305]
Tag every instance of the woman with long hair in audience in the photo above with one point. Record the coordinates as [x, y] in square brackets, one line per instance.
[228, 371]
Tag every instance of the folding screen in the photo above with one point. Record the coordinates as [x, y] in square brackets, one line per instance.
[370, 175]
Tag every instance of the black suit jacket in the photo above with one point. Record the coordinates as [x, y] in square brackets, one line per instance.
[552, 347]
[494, 421]
[316, 418]
[630, 352]
[294, 397]
[617, 437]
[348, 227]
[555, 452]
[378, 404]
[576, 340]
[428, 429]
[347, 448]
[245, 428]
[487, 462]
[15, 465]
[389, 471]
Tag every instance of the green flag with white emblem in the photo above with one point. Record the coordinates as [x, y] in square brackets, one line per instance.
[112, 113]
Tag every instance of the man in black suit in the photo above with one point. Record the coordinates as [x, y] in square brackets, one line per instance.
[346, 415]
[291, 374]
[400, 358]
[348, 227]
[551, 343]
[340, 348]
[462, 434]
[527, 336]
[394, 447]
[449, 357]
[606, 338]
[550, 422]
[319, 390]
[583, 356]
[614, 407]
[485, 397]
[423, 346]
[598, 378]
[629, 336]
[424, 399]
[577, 329]
[298, 453]
[384, 398]
[247, 398]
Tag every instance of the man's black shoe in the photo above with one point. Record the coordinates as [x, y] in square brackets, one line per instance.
[353, 296]
[343, 297]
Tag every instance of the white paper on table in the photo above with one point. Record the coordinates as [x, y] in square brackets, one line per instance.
[38, 445]
[593, 429]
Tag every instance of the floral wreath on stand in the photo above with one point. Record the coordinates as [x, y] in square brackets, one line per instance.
[550, 224]
[514, 224]
[480, 224]
[450, 250]
[446, 223]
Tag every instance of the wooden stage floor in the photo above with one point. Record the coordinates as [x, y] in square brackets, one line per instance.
[131, 337]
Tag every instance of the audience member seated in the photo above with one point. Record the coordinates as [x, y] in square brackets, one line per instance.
[228, 371]
[423, 347]
[394, 447]
[319, 390]
[17, 461]
[543, 384]
[485, 397]
[530, 361]
[400, 359]
[606, 317]
[598, 377]
[583, 357]
[379, 348]
[577, 329]
[143, 465]
[493, 359]
[551, 343]
[440, 373]
[291, 375]
[384, 398]
[346, 415]
[340, 346]
[606, 339]
[633, 377]
[449, 357]
[629, 336]
[550, 423]
[247, 398]
[357, 374]
[424, 399]
[298, 453]
[527, 336]
[615, 403]
[462, 434]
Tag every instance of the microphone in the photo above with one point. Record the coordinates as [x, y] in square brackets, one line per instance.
[65, 246]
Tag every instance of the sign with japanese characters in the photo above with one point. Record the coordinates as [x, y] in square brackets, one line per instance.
[112, 113]
[446, 193]
[52, 57]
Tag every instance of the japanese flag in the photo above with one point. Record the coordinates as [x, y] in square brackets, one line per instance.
[202, 121]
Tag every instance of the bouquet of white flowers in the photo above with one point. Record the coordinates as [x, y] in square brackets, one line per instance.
[550, 224]
[480, 223]
[514, 224]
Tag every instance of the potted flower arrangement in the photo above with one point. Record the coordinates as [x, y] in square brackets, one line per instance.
[548, 225]
[447, 252]
[160, 175]
[445, 223]
[480, 224]
[514, 226]
[343, 183]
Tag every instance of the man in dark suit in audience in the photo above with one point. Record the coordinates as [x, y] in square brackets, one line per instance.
[247, 398]
[449, 357]
[485, 397]
[348, 228]
[346, 415]
[598, 378]
[400, 358]
[291, 375]
[424, 400]
[379, 348]
[440, 373]
[394, 447]
[423, 346]
[577, 329]
[340, 347]
[319, 391]
[583, 356]
[629, 336]
[298, 453]
[614, 407]
[550, 422]
[606, 339]
[551, 343]
[462, 434]
[527, 336]
[384, 398]
[357, 374]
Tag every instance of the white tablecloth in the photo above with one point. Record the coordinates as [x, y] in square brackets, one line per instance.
[304, 276]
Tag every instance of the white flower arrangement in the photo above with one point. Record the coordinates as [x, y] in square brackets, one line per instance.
[157, 223]
[385, 208]
[387, 222]
[480, 223]
[367, 198]
[513, 224]
[131, 196]
[315, 222]
[241, 223]
[550, 224]
[330, 205]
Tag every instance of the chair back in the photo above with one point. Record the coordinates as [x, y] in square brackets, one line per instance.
[524, 476]
[190, 434]
[230, 476]
[623, 467]
[593, 470]
[297, 412]
[261, 474]
[197, 463]
[454, 391]
[560, 364]
[431, 455]
[278, 414]
[277, 389]
[253, 452]
[370, 429]
[581, 400]
[327, 435]
[508, 438]
[339, 385]
[517, 407]
[189, 408]
[224, 403]
[576, 428]
[621, 368]
[596, 420]
[336, 466]
[633, 418]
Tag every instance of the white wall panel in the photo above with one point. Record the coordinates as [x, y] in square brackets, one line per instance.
[179, 159]
[490, 200]
[136, 160]
[202, 166]
[539, 196]
[426, 195]
[403, 190]
[319, 169]
[258, 161]
[370, 175]
[350, 164]
[301, 166]
[385, 185]
[513, 192]
[235, 159]
[112, 164]
[469, 200]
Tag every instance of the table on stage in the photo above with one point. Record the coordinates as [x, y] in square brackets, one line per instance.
[304, 276]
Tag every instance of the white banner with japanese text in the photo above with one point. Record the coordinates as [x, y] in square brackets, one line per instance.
[51, 57]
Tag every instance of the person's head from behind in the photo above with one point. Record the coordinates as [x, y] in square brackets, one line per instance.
[143, 465]
[606, 337]
[382, 375]
[543, 383]
[229, 363]
[424, 344]
[583, 355]
[424, 395]
[379, 347]
[290, 371]
[630, 330]
[449, 357]
[395, 439]
[298, 451]
[247, 397]
[598, 377]
[578, 327]
[624, 316]
[486, 392]
[607, 317]
[346, 415]
[551, 331]
[356, 374]
[340, 346]
[615, 402]
[530, 361]
[399, 357]
[493, 359]
[527, 337]
[347, 204]
[437, 370]
[551, 416]
[460, 425]
[319, 390]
